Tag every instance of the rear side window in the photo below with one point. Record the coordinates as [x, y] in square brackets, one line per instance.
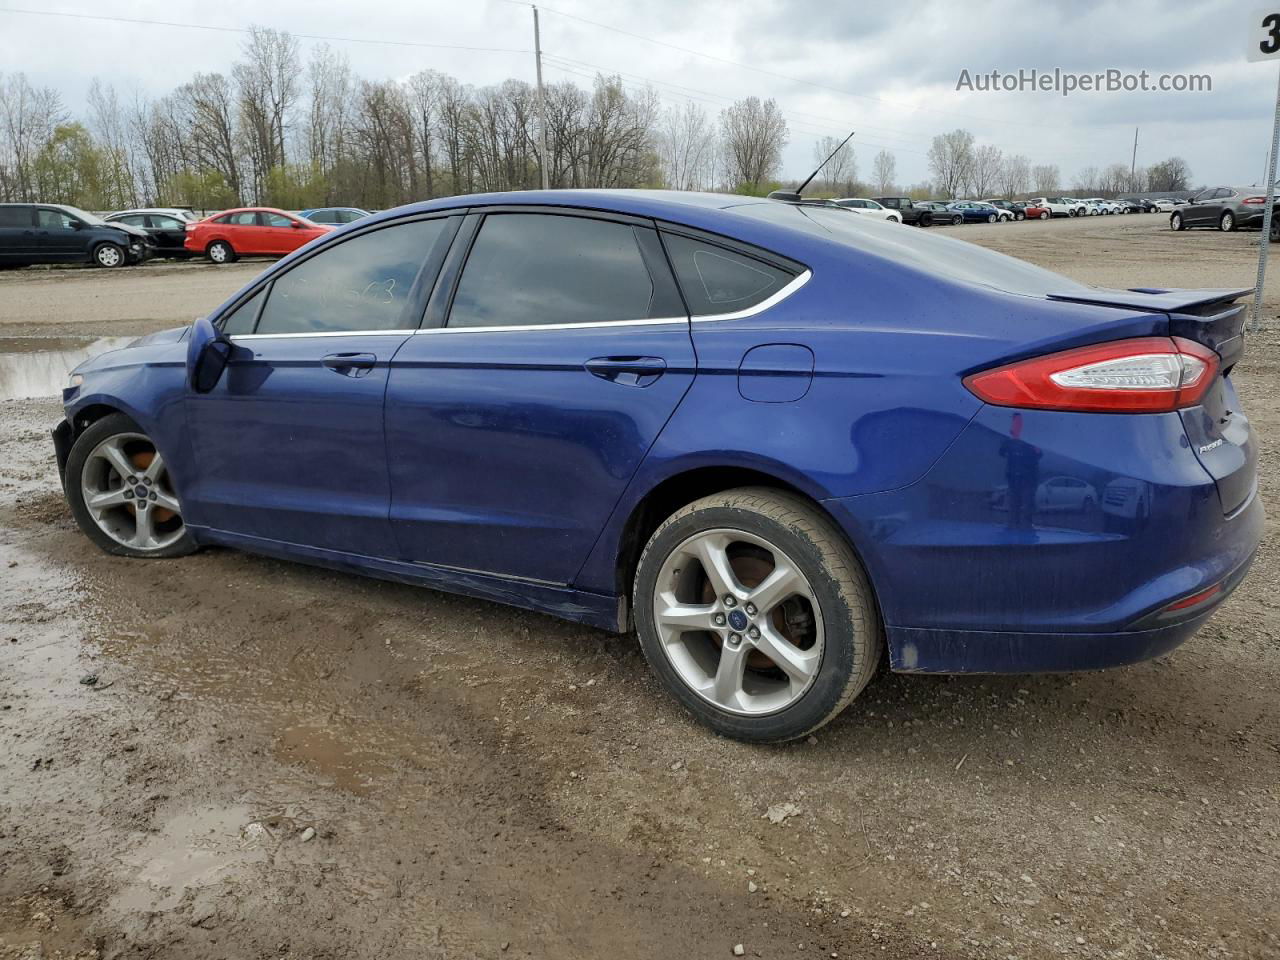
[360, 284]
[534, 269]
[15, 216]
[717, 280]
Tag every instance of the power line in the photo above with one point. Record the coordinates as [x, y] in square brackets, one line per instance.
[218, 29]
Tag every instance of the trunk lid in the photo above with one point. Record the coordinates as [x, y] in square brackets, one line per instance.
[1217, 429]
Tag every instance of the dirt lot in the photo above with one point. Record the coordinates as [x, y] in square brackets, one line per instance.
[277, 761]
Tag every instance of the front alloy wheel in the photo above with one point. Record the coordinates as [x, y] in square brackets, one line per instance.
[108, 255]
[1228, 222]
[754, 613]
[121, 494]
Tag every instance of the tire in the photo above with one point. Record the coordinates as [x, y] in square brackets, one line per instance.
[1175, 222]
[957, 220]
[115, 527]
[992, 218]
[1275, 229]
[1045, 215]
[109, 255]
[220, 252]
[926, 220]
[1227, 222]
[832, 609]
[1019, 216]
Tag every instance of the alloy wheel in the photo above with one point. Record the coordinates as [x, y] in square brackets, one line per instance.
[127, 492]
[739, 622]
[109, 255]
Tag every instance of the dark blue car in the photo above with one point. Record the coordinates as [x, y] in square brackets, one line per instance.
[776, 440]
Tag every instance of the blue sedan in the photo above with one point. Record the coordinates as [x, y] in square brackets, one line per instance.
[776, 441]
[974, 212]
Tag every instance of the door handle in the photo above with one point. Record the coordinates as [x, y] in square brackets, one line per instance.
[350, 364]
[629, 371]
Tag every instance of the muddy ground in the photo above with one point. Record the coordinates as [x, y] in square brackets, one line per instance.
[278, 761]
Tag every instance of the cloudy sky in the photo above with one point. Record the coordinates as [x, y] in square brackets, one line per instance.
[887, 69]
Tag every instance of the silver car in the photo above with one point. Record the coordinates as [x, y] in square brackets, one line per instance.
[1225, 208]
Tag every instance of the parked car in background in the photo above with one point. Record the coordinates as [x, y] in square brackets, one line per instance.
[936, 211]
[536, 431]
[1033, 212]
[1057, 206]
[334, 216]
[1131, 206]
[912, 211]
[975, 212]
[1017, 208]
[33, 233]
[1165, 205]
[869, 208]
[166, 226]
[251, 231]
[1225, 208]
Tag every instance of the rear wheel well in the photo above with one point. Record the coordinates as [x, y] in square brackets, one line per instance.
[676, 492]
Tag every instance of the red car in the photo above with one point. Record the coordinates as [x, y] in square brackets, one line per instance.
[1037, 213]
[251, 231]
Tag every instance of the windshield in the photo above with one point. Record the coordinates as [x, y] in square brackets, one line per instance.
[84, 215]
[924, 251]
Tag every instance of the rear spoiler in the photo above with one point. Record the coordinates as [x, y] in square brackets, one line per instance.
[1208, 316]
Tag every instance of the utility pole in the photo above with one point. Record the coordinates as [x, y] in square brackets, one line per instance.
[1133, 164]
[542, 101]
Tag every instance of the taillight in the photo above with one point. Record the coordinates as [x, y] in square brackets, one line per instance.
[1143, 375]
[1256, 201]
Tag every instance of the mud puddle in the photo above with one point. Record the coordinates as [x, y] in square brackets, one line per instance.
[33, 367]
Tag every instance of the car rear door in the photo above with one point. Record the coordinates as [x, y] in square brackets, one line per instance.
[544, 373]
[290, 445]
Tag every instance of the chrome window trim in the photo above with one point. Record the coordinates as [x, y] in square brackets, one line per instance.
[769, 302]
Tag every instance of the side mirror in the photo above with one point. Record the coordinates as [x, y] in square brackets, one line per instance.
[76, 224]
[296, 224]
[207, 354]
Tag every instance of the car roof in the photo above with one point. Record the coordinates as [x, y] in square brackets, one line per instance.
[167, 211]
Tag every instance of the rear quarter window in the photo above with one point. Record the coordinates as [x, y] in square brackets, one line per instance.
[717, 280]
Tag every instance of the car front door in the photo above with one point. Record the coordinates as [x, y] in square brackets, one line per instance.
[169, 233]
[277, 233]
[1198, 210]
[289, 445]
[57, 238]
[517, 416]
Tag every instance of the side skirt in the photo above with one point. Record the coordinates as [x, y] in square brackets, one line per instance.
[593, 609]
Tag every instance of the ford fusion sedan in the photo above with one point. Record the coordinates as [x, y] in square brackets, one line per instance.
[33, 233]
[975, 212]
[656, 411]
[1222, 208]
[251, 231]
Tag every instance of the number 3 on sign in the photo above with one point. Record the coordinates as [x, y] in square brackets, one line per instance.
[1264, 34]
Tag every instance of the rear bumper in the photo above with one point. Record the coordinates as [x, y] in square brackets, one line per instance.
[1055, 549]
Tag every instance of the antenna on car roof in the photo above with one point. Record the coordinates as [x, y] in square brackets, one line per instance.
[794, 197]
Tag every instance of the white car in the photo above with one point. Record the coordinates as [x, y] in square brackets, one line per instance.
[870, 208]
[1165, 205]
[1105, 206]
[1057, 206]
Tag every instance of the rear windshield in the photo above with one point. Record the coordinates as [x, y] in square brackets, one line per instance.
[924, 251]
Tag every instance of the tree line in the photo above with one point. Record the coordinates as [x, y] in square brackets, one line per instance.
[283, 131]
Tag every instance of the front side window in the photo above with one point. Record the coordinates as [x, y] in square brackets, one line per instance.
[716, 280]
[241, 319]
[534, 269]
[276, 220]
[55, 219]
[360, 284]
[165, 223]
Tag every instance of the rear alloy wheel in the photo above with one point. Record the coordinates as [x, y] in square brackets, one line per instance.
[1227, 223]
[957, 220]
[108, 255]
[1045, 214]
[120, 492]
[220, 252]
[754, 613]
[992, 218]
[1175, 222]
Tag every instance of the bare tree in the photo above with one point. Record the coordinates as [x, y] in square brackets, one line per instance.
[28, 117]
[208, 103]
[267, 89]
[984, 172]
[108, 126]
[686, 148]
[884, 170]
[1045, 177]
[1114, 180]
[841, 171]
[1169, 175]
[1015, 175]
[950, 161]
[1086, 181]
[753, 133]
[329, 97]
